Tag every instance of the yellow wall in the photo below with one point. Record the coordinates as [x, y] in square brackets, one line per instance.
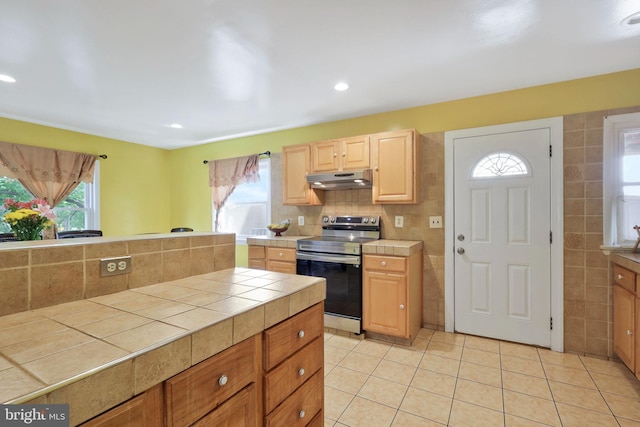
[134, 188]
[145, 189]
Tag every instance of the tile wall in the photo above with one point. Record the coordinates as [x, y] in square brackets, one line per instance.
[587, 291]
[44, 276]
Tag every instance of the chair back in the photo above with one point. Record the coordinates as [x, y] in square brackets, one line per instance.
[8, 237]
[72, 234]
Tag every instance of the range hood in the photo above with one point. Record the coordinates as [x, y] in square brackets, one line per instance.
[340, 180]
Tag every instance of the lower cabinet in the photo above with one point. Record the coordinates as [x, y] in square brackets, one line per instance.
[281, 260]
[626, 317]
[392, 295]
[293, 361]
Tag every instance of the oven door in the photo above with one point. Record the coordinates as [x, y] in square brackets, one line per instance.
[344, 281]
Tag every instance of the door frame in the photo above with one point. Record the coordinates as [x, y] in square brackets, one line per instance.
[555, 127]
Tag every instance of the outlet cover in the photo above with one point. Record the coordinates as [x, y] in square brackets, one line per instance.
[301, 220]
[399, 221]
[435, 222]
[113, 266]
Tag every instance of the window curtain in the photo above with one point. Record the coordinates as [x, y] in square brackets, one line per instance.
[226, 174]
[46, 173]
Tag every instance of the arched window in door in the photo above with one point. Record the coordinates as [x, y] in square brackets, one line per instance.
[500, 164]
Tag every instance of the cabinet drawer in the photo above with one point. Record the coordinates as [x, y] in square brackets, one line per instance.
[256, 252]
[282, 267]
[284, 339]
[624, 278]
[258, 264]
[283, 380]
[301, 407]
[196, 391]
[385, 263]
[281, 254]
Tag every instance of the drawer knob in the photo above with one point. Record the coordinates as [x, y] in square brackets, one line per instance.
[280, 254]
[301, 414]
[629, 332]
[301, 333]
[301, 372]
[223, 380]
[401, 306]
[620, 277]
[384, 263]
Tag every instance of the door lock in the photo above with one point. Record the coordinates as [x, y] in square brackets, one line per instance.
[461, 237]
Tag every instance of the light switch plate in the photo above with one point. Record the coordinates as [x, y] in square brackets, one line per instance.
[399, 221]
[301, 220]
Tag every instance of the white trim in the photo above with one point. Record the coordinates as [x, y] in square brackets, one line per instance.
[613, 125]
[555, 126]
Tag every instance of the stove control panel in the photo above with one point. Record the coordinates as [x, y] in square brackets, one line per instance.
[353, 221]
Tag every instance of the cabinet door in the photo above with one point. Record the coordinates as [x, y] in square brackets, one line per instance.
[624, 325]
[384, 303]
[324, 156]
[393, 157]
[257, 258]
[296, 163]
[239, 411]
[354, 153]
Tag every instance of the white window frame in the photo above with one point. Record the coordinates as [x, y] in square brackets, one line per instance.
[92, 200]
[614, 126]
[265, 163]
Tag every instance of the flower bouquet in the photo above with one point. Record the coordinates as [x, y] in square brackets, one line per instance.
[28, 219]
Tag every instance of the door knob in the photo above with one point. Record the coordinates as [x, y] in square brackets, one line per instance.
[461, 237]
[461, 251]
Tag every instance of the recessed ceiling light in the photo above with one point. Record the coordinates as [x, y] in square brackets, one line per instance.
[341, 86]
[7, 79]
[632, 19]
[176, 126]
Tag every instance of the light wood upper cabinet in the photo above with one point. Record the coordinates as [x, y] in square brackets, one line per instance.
[296, 164]
[394, 159]
[340, 154]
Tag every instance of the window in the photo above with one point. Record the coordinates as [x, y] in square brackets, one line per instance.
[621, 179]
[500, 164]
[248, 208]
[79, 211]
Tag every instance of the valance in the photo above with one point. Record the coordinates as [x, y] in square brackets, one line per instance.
[45, 164]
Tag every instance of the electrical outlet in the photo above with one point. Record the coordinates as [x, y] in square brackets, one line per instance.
[435, 222]
[113, 266]
[301, 220]
[399, 221]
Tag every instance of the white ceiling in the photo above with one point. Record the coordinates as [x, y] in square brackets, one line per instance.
[127, 69]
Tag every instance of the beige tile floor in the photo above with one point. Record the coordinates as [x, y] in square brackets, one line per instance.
[457, 380]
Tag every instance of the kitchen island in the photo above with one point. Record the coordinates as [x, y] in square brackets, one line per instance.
[98, 352]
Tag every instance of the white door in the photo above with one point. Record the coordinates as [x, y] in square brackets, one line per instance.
[502, 227]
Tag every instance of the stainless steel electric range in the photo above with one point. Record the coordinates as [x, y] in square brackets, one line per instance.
[337, 256]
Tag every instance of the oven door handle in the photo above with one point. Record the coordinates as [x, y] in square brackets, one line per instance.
[341, 259]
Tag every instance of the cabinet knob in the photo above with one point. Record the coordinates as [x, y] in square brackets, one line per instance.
[301, 333]
[335, 154]
[301, 414]
[280, 254]
[401, 306]
[301, 372]
[629, 332]
[223, 380]
[384, 263]
[620, 277]
[344, 154]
